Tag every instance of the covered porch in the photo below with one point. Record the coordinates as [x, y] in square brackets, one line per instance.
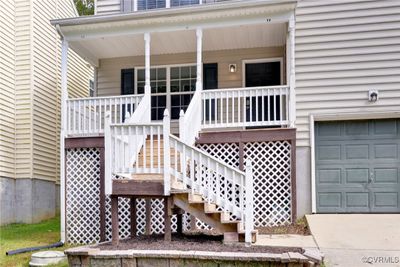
[241, 70]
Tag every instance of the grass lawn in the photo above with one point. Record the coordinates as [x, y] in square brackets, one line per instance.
[16, 236]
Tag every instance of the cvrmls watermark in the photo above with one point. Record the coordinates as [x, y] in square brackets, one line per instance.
[381, 260]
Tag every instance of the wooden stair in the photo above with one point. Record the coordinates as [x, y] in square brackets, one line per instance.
[151, 185]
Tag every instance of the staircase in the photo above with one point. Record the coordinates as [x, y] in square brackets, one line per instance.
[143, 159]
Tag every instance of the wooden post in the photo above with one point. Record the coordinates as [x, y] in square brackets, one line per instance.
[167, 156]
[114, 220]
[193, 225]
[148, 216]
[133, 217]
[179, 223]
[248, 216]
[167, 219]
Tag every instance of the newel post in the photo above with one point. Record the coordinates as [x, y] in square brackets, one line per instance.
[182, 126]
[167, 157]
[248, 223]
[108, 155]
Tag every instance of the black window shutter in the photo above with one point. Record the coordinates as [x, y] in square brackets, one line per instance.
[127, 81]
[127, 88]
[210, 76]
[210, 81]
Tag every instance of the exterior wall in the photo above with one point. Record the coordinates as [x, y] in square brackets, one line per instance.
[7, 84]
[107, 7]
[30, 101]
[344, 49]
[109, 71]
[303, 181]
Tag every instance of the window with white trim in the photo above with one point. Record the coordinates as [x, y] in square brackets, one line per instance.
[172, 87]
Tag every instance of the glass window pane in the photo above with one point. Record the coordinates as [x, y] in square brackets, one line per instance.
[161, 87]
[175, 73]
[140, 74]
[161, 74]
[185, 72]
[153, 73]
[162, 101]
[185, 86]
[193, 73]
[175, 100]
[140, 88]
[153, 87]
[174, 86]
[175, 113]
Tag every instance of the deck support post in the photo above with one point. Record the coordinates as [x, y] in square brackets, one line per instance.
[64, 97]
[133, 217]
[148, 216]
[147, 38]
[114, 220]
[167, 218]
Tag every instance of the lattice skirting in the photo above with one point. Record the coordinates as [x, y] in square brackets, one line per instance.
[272, 191]
[272, 177]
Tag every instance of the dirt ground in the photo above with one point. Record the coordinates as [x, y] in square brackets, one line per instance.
[300, 227]
[190, 241]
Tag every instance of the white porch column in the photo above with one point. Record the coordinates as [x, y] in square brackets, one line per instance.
[199, 66]
[64, 97]
[135, 5]
[147, 38]
[290, 70]
[168, 3]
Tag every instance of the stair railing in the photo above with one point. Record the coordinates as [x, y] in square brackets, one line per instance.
[217, 182]
[190, 122]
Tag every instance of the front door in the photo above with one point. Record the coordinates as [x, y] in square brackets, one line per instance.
[260, 74]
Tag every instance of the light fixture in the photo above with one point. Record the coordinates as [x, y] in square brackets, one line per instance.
[373, 95]
[232, 68]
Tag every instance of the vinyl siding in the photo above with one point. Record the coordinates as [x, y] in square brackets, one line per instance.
[103, 7]
[344, 49]
[7, 85]
[109, 71]
[23, 92]
[47, 87]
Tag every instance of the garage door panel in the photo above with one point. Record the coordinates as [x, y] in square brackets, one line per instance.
[330, 176]
[357, 175]
[358, 166]
[385, 127]
[357, 128]
[386, 176]
[357, 200]
[386, 151]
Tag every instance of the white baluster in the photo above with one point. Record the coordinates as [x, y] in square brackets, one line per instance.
[249, 203]
[167, 164]
[108, 155]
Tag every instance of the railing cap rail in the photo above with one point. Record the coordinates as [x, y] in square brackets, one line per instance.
[104, 97]
[136, 124]
[244, 89]
[208, 155]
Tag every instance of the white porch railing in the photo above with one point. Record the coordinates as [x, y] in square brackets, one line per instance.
[245, 107]
[86, 116]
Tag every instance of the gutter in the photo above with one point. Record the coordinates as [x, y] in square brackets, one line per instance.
[162, 12]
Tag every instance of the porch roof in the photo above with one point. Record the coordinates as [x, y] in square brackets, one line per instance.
[120, 35]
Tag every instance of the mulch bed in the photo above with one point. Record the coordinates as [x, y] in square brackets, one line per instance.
[298, 228]
[190, 241]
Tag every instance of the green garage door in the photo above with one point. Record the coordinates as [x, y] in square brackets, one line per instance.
[358, 166]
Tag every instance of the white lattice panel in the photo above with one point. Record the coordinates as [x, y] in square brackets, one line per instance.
[228, 152]
[83, 195]
[272, 182]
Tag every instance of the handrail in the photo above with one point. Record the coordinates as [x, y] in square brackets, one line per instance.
[201, 172]
[190, 122]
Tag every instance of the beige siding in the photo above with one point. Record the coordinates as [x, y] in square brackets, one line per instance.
[23, 92]
[46, 85]
[344, 49]
[109, 72]
[7, 94]
[107, 6]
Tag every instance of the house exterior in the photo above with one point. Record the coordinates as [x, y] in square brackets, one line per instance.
[30, 107]
[298, 97]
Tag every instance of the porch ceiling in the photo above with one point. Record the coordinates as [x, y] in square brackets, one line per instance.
[184, 41]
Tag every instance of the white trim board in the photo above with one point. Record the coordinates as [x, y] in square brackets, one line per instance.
[338, 117]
